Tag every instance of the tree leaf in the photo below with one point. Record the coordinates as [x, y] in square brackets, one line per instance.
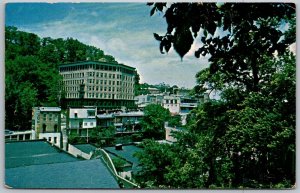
[157, 37]
[183, 40]
[152, 11]
[167, 45]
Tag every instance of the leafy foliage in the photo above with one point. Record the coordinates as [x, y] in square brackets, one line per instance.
[119, 163]
[154, 159]
[153, 121]
[102, 136]
[248, 29]
[247, 138]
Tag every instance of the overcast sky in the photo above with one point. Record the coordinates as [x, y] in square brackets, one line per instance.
[123, 30]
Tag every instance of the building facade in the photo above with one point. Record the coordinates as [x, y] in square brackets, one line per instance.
[46, 123]
[122, 121]
[143, 100]
[101, 84]
[172, 103]
[19, 135]
[81, 120]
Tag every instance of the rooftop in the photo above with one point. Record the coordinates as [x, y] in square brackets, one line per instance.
[105, 116]
[126, 153]
[18, 154]
[95, 62]
[37, 164]
[86, 148]
[52, 109]
[121, 114]
[79, 174]
[133, 113]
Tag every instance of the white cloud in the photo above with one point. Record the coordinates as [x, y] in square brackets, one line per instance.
[128, 37]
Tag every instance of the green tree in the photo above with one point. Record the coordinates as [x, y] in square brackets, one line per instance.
[248, 142]
[119, 163]
[233, 35]
[267, 123]
[153, 121]
[174, 121]
[235, 140]
[153, 158]
[102, 136]
[29, 82]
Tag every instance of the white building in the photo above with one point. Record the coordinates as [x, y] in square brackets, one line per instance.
[172, 103]
[54, 138]
[128, 121]
[143, 100]
[81, 120]
[122, 121]
[19, 135]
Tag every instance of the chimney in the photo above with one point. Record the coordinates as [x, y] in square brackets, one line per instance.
[118, 146]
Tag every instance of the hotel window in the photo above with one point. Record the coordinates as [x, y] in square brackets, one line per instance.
[85, 124]
[44, 128]
[91, 124]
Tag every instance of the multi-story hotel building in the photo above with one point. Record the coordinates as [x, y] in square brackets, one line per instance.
[101, 84]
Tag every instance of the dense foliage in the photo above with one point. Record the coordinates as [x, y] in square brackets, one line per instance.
[31, 72]
[247, 138]
[153, 121]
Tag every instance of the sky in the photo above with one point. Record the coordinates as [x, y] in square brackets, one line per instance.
[123, 30]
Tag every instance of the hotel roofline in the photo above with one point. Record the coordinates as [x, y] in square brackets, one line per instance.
[95, 62]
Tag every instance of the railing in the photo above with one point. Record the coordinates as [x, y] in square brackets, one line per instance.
[106, 158]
